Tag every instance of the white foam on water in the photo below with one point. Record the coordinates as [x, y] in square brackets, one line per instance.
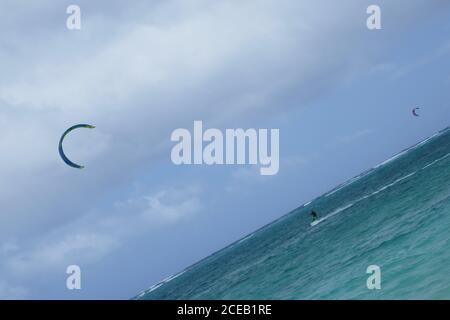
[159, 284]
[437, 160]
[246, 238]
[335, 212]
[342, 186]
[398, 155]
[173, 277]
[334, 191]
[349, 182]
[429, 138]
[390, 185]
[409, 149]
[314, 223]
[153, 287]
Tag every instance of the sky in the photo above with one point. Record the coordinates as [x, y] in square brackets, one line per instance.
[340, 94]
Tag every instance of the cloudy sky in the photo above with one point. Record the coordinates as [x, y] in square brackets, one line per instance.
[340, 94]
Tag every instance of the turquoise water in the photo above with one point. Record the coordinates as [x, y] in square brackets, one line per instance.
[396, 216]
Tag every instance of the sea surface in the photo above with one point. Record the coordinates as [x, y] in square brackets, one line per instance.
[395, 215]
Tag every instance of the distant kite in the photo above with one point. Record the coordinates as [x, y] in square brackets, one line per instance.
[414, 112]
[61, 151]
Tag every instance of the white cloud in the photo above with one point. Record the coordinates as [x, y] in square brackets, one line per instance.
[82, 247]
[95, 235]
[157, 209]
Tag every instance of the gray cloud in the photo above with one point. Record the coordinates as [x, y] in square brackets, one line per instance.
[93, 236]
[138, 71]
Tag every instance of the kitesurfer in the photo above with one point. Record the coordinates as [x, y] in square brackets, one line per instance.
[314, 215]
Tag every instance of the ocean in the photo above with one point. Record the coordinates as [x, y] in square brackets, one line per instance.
[395, 216]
